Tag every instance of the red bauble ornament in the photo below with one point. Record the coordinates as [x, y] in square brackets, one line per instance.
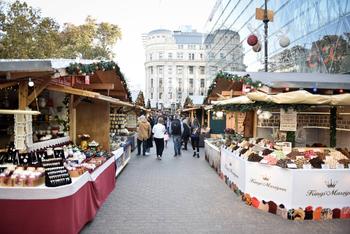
[252, 40]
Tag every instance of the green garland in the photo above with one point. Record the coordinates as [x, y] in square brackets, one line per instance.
[291, 137]
[90, 69]
[223, 75]
[260, 105]
[333, 126]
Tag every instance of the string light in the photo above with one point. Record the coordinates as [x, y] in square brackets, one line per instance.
[287, 89]
[30, 82]
[341, 90]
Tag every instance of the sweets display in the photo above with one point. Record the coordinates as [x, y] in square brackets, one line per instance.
[267, 152]
[14, 176]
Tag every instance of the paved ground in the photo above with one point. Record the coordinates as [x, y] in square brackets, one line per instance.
[184, 195]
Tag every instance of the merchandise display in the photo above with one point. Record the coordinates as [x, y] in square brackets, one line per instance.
[55, 173]
[282, 180]
[118, 124]
[14, 176]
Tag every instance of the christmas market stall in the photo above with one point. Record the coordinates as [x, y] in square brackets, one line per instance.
[55, 139]
[233, 123]
[289, 171]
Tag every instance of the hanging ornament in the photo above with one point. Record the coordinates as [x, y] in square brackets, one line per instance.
[252, 40]
[284, 41]
[257, 47]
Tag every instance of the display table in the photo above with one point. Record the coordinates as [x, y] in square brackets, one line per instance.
[294, 188]
[122, 157]
[212, 154]
[64, 209]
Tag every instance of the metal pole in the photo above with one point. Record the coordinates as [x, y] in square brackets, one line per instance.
[266, 21]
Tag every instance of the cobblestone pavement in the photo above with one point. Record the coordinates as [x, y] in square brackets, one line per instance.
[185, 195]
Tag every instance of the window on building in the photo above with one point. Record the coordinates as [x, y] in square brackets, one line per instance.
[202, 70]
[160, 69]
[170, 95]
[170, 70]
[190, 93]
[211, 55]
[202, 83]
[151, 95]
[170, 81]
[201, 56]
[190, 56]
[161, 54]
[191, 83]
[160, 83]
[192, 47]
[179, 70]
[190, 70]
[151, 70]
[202, 93]
[207, 46]
[180, 47]
[150, 56]
[170, 55]
[160, 95]
[222, 55]
[152, 83]
[180, 55]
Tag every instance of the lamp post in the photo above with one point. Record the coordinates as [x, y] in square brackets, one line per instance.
[266, 22]
[266, 16]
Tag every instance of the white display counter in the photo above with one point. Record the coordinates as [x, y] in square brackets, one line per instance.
[293, 188]
[212, 154]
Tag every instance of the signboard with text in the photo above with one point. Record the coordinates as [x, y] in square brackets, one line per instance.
[288, 120]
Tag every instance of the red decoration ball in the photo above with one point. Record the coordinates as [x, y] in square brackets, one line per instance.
[252, 40]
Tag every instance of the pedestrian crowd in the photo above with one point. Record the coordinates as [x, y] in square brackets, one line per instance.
[161, 128]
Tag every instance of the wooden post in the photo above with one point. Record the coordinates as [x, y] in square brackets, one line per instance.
[255, 124]
[72, 119]
[22, 95]
[202, 117]
[208, 118]
[236, 121]
[192, 115]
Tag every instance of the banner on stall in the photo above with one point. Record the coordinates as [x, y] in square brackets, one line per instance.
[288, 120]
[233, 167]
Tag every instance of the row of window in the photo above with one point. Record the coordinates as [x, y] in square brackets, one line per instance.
[191, 82]
[170, 95]
[200, 56]
[179, 70]
[179, 55]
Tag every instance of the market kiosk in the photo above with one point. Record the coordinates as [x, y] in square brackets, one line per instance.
[294, 182]
[61, 168]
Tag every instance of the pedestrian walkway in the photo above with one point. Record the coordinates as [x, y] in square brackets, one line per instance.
[185, 195]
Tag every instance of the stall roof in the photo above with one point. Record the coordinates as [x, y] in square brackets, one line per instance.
[299, 80]
[85, 93]
[294, 97]
[28, 65]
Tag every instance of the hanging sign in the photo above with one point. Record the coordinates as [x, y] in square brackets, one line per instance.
[288, 120]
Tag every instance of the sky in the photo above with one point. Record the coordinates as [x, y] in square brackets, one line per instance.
[134, 17]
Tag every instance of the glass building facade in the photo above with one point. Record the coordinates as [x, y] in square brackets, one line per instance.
[318, 30]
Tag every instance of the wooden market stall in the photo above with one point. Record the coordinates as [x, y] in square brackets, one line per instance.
[67, 99]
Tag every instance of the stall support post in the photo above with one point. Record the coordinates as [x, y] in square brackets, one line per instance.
[255, 124]
[72, 119]
[208, 118]
[202, 117]
[22, 95]
[333, 126]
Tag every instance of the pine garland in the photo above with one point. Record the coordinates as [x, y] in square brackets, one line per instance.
[90, 69]
[230, 77]
[140, 100]
[188, 102]
[260, 105]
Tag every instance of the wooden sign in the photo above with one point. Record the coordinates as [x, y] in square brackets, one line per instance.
[259, 14]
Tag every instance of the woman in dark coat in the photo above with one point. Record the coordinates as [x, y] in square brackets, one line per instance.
[149, 142]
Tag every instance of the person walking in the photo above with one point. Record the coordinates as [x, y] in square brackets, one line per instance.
[176, 132]
[195, 131]
[158, 136]
[149, 143]
[186, 133]
[143, 133]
